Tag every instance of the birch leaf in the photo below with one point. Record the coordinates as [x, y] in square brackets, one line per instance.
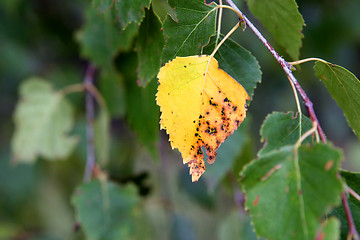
[280, 188]
[344, 87]
[43, 119]
[201, 106]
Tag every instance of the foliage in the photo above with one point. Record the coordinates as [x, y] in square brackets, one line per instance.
[81, 81]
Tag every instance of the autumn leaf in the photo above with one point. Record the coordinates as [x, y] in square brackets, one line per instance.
[201, 106]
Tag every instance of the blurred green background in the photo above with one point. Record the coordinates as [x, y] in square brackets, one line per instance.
[38, 37]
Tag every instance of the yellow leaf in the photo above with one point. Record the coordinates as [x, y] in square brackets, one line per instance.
[201, 106]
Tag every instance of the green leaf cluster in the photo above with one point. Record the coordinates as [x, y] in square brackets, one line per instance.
[282, 183]
[290, 189]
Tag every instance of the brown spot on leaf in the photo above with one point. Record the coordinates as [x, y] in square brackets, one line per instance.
[272, 170]
[212, 103]
[256, 201]
[328, 165]
[211, 160]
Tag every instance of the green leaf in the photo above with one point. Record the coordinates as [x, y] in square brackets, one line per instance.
[111, 85]
[226, 156]
[162, 9]
[352, 180]
[192, 30]
[102, 134]
[283, 20]
[125, 12]
[344, 87]
[150, 43]
[330, 230]
[106, 210]
[281, 129]
[100, 40]
[142, 111]
[43, 119]
[238, 63]
[289, 190]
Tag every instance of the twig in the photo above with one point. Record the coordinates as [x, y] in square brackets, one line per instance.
[90, 114]
[287, 68]
[308, 104]
[352, 234]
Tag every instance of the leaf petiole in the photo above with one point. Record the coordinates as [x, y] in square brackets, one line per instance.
[307, 60]
[233, 9]
[224, 39]
[305, 135]
[219, 23]
[297, 105]
[353, 193]
[72, 89]
[80, 87]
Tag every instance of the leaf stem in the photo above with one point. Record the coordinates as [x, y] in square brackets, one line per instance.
[233, 9]
[298, 106]
[90, 115]
[96, 94]
[305, 135]
[307, 60]
[72, 89]
[224, 39]
[219, 23]
[353, 193]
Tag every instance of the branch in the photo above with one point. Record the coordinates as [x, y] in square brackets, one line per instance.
[308, 104]
[90, 114]
[287, 68]
[352, 234]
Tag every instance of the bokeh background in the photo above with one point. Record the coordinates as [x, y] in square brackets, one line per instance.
[39, 38]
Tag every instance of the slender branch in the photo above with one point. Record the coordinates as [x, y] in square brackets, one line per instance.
[352, 234]
[90, 114]
[287, 68]
[308, 104]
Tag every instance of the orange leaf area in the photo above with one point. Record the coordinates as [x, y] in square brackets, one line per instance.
[201, 105]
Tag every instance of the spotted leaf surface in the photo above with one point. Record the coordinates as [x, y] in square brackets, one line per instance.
[201, 106]
[281, 185]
